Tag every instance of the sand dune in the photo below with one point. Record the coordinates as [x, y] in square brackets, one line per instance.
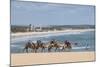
[48, 58]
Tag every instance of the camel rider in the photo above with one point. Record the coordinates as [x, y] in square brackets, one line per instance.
[67, 43]
[30, 41]
[52, 42]
[38, 42]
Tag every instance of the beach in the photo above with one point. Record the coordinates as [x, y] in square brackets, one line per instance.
[77, 54]
[48, 32]
[18, 59]
[81, 36]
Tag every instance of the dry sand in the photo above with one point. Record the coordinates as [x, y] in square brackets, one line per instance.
[48, 58]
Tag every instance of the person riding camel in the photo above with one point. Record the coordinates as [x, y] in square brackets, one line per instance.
[52, 42]
[38, 42]
[29, 42]
[67, 43]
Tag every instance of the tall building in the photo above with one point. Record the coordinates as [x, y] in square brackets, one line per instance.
[30, 27]
[33, 28]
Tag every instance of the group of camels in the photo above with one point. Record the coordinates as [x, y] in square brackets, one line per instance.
[50, 45]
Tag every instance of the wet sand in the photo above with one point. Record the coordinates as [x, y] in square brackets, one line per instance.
[48, 58]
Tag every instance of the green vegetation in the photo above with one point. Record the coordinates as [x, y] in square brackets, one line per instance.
[17, 28]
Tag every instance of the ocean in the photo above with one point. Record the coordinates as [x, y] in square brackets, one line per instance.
[85, 41]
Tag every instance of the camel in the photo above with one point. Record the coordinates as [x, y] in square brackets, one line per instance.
[31, 46]
[67, 45]
[43, 46]
[53, 44]
[34, 46]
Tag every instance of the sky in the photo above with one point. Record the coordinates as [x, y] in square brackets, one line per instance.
[39, 13]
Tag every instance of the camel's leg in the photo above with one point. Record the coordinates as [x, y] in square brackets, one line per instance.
[36, 50]
[56, 49]
[63, 48]
[32, 50]
[59, 49]
[23, 49]
[49, 49]
[27, 50]
[69, 48]
[43, 49]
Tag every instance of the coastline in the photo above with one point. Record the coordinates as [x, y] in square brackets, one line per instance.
[49, 32]
[49, 58]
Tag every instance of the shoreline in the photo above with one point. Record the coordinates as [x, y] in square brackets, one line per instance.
[49, 32]
[49, 58]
